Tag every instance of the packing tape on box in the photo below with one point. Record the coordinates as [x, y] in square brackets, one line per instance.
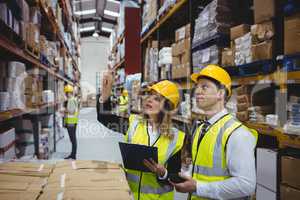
[41, 168]
[60, 196]
[62, 180]
[73, 163]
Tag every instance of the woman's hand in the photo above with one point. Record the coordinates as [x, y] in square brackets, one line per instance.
[107, 82]
[154, 167]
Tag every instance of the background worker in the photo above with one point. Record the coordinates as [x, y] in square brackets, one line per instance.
[123, 101]
[222, 148]
[71, 118]
[152, 128]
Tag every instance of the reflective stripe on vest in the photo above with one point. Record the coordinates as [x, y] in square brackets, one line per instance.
[146, 183]
[148, 189]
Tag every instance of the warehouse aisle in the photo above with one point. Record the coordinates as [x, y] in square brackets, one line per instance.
[95, 142]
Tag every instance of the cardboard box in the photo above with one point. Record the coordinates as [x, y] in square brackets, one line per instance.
[267, 168]
[262, 32]
[183, 32]
[176, 61]
[262, 51]
[290, 165]
[239, 31]
[292, 35]
[181, 71]
[289, 193]
[185, 57]
[263, 10]
[227, 57]
[264, 194]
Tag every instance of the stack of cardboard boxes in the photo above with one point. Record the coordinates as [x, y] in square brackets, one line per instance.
[87, 180]
[64, 180]
[252, 43]
[33, 89]
[149, 13]
[23, 180]
[290, 178]
[243, 103]
[181, 52]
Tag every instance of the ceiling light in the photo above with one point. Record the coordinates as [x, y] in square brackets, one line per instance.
[111, 13]
[106, 29]
[114, 1]
[90, 28]
[95, 34]
[85, 12]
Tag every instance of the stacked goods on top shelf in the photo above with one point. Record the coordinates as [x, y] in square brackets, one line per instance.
[214, 21]
[151, 62]
[216, 18]
[165, 4]
[291, 35]
[181, 52]
[149, 14]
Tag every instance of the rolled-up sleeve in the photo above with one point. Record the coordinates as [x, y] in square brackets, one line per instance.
[241, 164]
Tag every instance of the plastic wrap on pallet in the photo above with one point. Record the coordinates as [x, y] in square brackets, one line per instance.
[4, 101]
[214, 19]
[16, 69]
[243, 52]
[48, 96]
[7, 137]
[210, 55]
[165, 6]
[149, 13]
[165, 56]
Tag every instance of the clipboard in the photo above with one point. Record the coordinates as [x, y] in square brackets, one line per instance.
[133, 155]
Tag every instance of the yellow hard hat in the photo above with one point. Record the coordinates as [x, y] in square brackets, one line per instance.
[215, 72]
[167, 89]
[125, 93]
[68, 88]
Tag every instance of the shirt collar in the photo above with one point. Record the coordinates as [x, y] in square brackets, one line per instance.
[217, 116]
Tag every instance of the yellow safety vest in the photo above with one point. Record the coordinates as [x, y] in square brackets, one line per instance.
[72, 119]
[123, 103]
[209, 159]
[144, 185]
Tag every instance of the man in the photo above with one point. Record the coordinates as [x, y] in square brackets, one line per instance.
[222, 148]
[71, 119]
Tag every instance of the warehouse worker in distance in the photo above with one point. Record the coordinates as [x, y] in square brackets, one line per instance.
[152, 128]
[71, 118]
[123, 101]
[222, 147]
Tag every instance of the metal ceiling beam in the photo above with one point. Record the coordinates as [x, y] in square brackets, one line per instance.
[94, 19]
[90, 33]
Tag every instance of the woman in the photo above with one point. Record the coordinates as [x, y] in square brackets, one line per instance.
[152, 128]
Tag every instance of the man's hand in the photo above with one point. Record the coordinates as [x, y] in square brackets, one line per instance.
[189, 186]
[107, 82]
[154, 167]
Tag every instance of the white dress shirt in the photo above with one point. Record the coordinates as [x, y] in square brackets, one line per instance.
[241, 164]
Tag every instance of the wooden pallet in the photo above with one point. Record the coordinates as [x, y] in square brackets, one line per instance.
[33, 50]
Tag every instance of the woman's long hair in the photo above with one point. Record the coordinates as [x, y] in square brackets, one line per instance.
[164, 120]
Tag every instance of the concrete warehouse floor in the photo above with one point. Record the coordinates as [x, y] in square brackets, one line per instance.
[95, 142]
